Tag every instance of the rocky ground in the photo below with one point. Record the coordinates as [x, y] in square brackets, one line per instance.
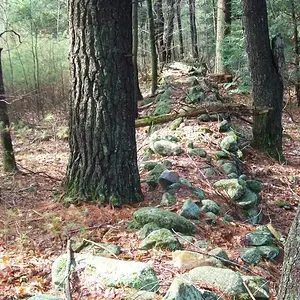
[201, 172]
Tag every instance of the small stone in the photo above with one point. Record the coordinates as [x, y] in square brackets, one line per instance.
[197, 192]
[248, 200]
[167, 148]
[258, 286]
[229, 168]
[232, 176]
[210, 206]
[185, 182]
[233, 188]
[251, 256]
[190, 210]
[253, 215]
[198, 152]
[220, 253]
[149, 165]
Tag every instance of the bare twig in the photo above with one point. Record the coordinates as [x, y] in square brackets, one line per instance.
[67, 286]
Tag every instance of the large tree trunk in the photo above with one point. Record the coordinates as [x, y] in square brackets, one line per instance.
[9, 163]
[103, 155]
[267, 85]
[289, 288]
[219, 67]
[178, 16]
[169, 30]
[137, 92]
[153, 48]
[193, 29]
[159, 29]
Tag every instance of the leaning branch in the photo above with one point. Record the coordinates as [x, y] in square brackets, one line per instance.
[232, 109]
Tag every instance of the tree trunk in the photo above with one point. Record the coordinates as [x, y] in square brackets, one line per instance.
[103, 156]
[227, 17]
[9, 163]
[219, 67]
[193, 29]
[153, 48]
[267, 85]
[289, 288]
[159, 29]
[297, 51]
[169, 30]
[178, 16]
[137, 92]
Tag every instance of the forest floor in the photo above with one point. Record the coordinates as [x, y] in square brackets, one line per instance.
[35, 225]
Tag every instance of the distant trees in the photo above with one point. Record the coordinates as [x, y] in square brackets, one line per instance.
[267, 82]
[103, 156]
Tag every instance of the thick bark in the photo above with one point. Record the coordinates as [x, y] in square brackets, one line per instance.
[159, 28]
[193, 29]
[153, 48]
[167, 56]
[178, 16]
[267, 85]
[103, 156]
[289, 288]
[9, 163]
[296, 50]
[137, 92]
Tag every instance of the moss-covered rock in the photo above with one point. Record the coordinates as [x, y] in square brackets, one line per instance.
[259, 238]
[254, 185]
[147, 229]
[210, 206]
[224, 126]
[176, 123]
[190, 210]
[167, 148]
[258, 286]
[198, 152]
[195, 94]
[229, 143]
[232, 187]
[164, 219]
[248, 200]
[168, 199]
[221, 155]
[251, 256]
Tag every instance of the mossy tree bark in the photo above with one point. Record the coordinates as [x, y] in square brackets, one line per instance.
[103, 155]
[8, 157]
[267, 85]
[289, 288]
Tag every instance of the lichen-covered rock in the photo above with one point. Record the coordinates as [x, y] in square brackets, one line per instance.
[161, 238]
[221, 155]
[107, 272]
[224, 126]
[167, 177]
[229, 143]
[209, 205]
[230, 167]
[258, 286]
[176, 123]
[197, 192]
[248, 200]
[185, 182]
[167, 148]
[190, 210]
[164, 219]
[269, 251]
[182, 290]
[209, 172]
[226, 280]
[232, 187]
[147, 229]
[195, 94]
[253, 215]
[168, 199]
[198, 152]
[254, 185]
[149, 165]
[259, 238]
[152, 179]
[251, 256]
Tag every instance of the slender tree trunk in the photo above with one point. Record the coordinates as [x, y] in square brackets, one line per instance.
[137, 92]
[289, 288]
[9, 163]
[169, 30]
[297, 51]
[159, 29]
[103, 155]
[153, 48]
[178, 16]
[267, 85]
[227, 17]
[219, 67]
[193, 29]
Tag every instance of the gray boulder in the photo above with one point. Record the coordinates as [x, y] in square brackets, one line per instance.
[253, 215]
[107, 272]
[190, 210]
[210, 206]
[167, 177]
[232, 187]
[209, 172]
[259, 238]
[229, 167]
[161, 238]
[226, 280]
[251, 256]
[229, 143]
[167, 148]
[248, 200]
[269, 251]
[164, 219]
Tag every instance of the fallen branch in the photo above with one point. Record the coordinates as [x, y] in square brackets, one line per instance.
[232, 109]
[67, 286]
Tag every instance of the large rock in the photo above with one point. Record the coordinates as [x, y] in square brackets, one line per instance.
[181, 290]
[161, 238]
[210, 206]
[190, 210]
[230, 167]
[248, 200]
[164, 219]
[254, 185]
[195, 94]
[259, 238]
[167, 178]
[167, 148]
[107, 272]
[232, 187]
[229, 143]
[251, 255]
[226, 280]
[269, 251]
